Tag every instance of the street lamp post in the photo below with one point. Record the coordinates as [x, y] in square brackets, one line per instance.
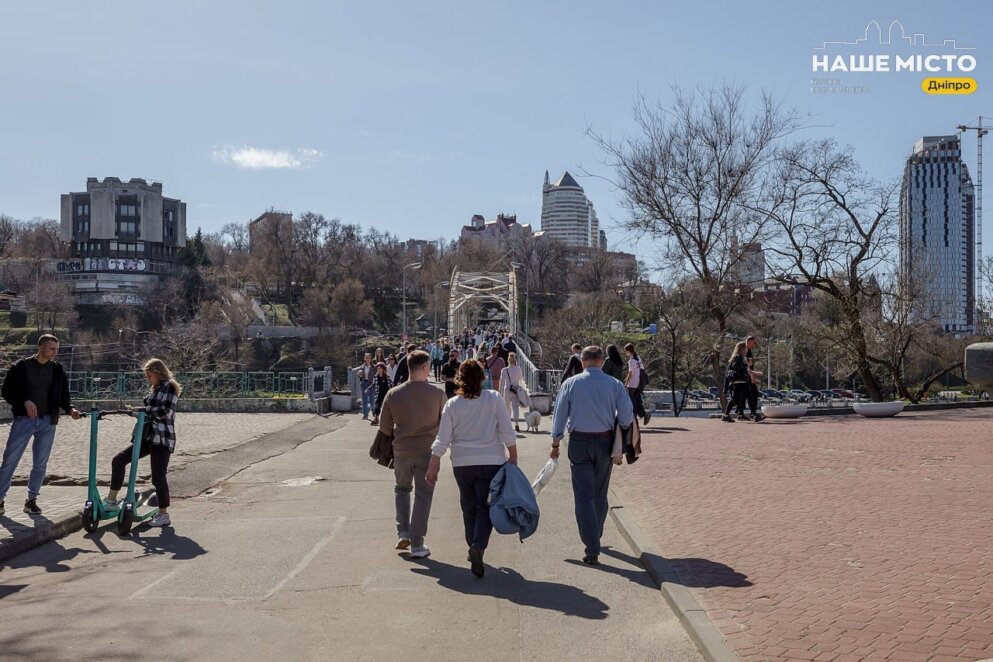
[443, 283]
[527, 292]
[412, 265]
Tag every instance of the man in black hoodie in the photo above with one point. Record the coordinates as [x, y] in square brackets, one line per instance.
[36, 389]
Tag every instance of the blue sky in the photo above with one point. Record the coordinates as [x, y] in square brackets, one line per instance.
[411, 117]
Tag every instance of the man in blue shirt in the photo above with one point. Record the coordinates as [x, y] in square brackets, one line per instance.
[588, 406]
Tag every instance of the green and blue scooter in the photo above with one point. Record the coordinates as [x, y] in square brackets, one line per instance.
[95, 509]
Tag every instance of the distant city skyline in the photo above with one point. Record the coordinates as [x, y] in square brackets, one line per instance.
[412, 119]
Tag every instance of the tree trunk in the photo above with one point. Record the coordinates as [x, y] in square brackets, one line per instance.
[857, 338]
[717, 374]
[922, 391]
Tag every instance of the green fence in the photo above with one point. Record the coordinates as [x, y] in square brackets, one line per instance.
[121, 385]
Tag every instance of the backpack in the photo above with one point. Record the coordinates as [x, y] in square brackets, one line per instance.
[642, 376]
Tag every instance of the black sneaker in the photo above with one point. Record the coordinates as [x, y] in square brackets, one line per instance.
[758, 418]
[727, 419]
[591, 560]
[476, 561]
[31, 507]
[1, 507]
[744, 417]
[648, 417]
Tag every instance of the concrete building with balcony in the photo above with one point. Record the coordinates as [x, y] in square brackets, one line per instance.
[123, 238]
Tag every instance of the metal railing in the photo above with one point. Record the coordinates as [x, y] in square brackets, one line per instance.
[131, 385]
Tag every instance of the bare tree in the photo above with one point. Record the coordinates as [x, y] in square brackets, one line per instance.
[683, 342]
[836, 227]
[689, 179]
[52, 303]
[905, 327]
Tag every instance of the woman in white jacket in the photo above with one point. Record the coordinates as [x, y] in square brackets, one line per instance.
[511, 379]
[476, 426]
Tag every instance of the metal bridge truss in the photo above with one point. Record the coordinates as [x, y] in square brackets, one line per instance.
[472, 290]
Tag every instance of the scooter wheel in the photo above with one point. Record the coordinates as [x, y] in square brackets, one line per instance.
[125, 522]
[90, 521]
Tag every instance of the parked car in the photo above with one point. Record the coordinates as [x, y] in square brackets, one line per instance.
[715, 392]
[815, 395]
[843, 393]
[799, 396]
[827, 395]
[769, 393]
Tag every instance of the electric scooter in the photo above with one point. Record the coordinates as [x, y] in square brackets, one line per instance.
[95, 509]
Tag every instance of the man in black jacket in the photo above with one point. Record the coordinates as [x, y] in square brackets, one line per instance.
[574, 366]
[403, 370]
[36, 389]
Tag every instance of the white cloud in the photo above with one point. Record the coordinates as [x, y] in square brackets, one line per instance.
[256, 158]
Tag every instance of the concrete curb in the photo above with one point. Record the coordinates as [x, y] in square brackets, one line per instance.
[59, 529]
[694, 618]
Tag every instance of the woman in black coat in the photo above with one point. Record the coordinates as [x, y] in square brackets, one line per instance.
[382, 384]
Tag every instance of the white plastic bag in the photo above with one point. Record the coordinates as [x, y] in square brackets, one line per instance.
[544, 476]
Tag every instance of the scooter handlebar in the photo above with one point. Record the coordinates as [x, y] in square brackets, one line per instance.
[107, 412]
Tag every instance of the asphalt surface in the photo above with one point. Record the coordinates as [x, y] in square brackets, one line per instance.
[292, 559]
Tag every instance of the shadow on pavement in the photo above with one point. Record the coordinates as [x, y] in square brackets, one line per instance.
[50, 556]
[37, 521]
[637, 575]
[691, 572]
[507, 584]
[167, 542]
[10, 589]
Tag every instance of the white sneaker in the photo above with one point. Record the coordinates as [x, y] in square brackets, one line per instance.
[111, 504]
[421, 552]
[162, 519]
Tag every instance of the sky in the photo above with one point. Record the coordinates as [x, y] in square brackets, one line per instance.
[412, 117]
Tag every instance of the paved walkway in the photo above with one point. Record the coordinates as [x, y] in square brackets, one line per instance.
[293, 559]
[200, 436]
[197, 434]
[831, 539]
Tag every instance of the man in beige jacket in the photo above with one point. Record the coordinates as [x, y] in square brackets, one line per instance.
[411, 413]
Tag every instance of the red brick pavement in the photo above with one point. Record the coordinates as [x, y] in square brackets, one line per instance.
[833, 539]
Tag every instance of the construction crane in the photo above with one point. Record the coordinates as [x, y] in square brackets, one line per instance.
[981, 130]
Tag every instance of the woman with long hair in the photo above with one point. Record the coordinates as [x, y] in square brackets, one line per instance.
[380, 356]
[158, 439]
[737, 380]
[633, 382]
[392, 365]
[475, 425]
[614, 364]
[511, 383]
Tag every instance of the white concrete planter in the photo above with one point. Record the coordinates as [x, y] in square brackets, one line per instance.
[878, 409]
[342, 402]
[784, 411]
[541, 403]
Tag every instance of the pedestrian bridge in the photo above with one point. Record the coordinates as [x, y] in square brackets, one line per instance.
[472, 293]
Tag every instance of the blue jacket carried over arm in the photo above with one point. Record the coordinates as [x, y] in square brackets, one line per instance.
[513, 506]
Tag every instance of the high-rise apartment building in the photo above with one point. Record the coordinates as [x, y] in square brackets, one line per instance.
[567, 215]
[937, 230]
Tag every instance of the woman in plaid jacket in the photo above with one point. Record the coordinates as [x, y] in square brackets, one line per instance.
[158, 439]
